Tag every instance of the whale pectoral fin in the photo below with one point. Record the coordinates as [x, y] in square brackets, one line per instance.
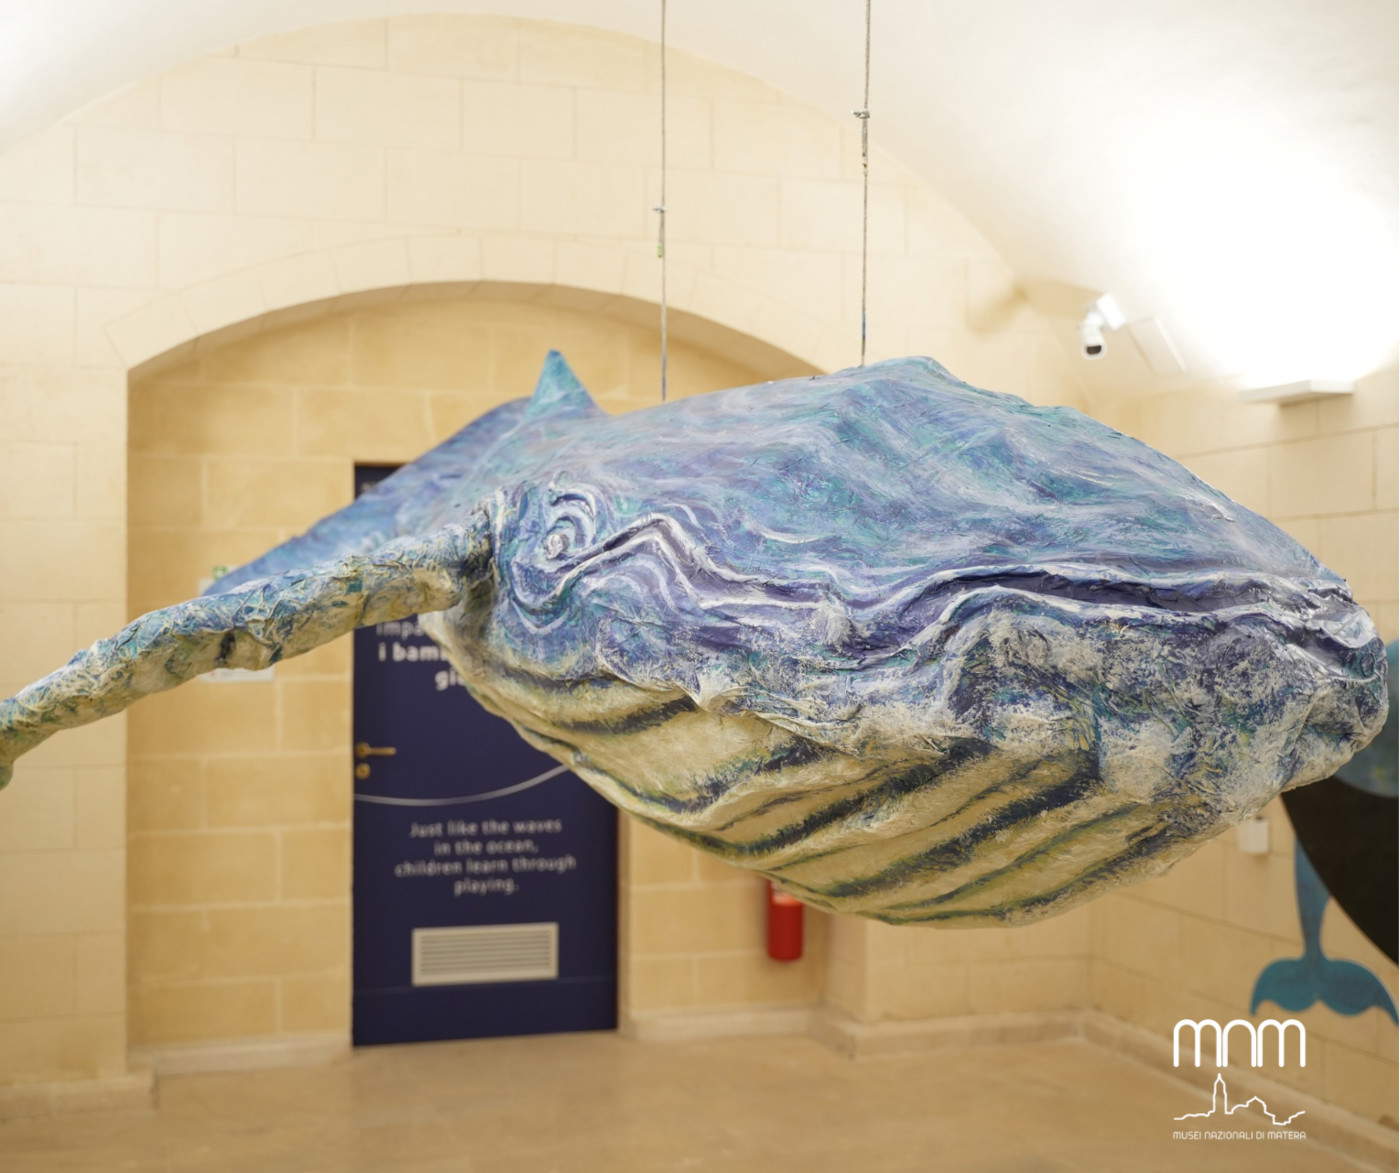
[255, 626]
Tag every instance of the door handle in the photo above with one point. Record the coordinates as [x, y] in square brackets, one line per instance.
[363, 749]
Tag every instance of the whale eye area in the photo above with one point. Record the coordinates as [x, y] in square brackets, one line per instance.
[564, 525]
[557, 542]
[566, 533]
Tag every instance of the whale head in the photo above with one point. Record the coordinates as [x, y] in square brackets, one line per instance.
[1057, 630]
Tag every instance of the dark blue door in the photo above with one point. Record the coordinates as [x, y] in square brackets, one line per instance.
[485, 894]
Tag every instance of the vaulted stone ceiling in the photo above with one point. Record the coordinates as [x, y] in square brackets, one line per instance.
[1226, 167]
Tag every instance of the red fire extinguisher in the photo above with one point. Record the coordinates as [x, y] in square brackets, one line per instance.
[784, 925]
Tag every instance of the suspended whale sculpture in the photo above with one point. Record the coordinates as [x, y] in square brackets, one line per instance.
[912, 649]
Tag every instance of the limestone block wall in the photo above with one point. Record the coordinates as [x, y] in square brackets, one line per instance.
[1192, 943]
[885, 973]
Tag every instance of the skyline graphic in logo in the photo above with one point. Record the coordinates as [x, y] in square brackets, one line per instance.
[1220, 1094]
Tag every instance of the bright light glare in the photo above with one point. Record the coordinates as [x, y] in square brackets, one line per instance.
[1286, 270]
[25, 45]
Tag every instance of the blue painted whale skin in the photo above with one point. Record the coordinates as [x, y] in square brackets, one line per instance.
[913, 649]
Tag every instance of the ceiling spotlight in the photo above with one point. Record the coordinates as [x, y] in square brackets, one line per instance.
[1103, 314]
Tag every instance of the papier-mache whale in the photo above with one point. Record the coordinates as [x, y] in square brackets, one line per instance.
[912, 649]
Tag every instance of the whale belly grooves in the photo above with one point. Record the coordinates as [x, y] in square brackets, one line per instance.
[658, 754]
[969, 835]
[1016, 757]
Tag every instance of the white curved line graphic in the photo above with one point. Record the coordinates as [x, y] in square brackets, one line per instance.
[385, 800]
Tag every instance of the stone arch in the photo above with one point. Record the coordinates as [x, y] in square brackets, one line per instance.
[708, 308]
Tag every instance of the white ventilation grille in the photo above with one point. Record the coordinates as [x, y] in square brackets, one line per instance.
[485, 953]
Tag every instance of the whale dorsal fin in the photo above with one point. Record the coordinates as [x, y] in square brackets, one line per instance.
[558, 392]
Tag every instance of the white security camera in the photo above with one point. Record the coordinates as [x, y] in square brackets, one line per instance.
[1091, 336]
[1103, 314]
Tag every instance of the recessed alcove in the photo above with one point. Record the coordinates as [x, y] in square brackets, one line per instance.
[239, 795]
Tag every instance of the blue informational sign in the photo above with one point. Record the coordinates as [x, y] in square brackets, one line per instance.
[485, 892]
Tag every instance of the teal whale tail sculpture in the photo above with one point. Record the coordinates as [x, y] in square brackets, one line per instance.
[1300, 982]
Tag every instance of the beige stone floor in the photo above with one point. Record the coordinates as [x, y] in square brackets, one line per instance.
[602, 1104]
